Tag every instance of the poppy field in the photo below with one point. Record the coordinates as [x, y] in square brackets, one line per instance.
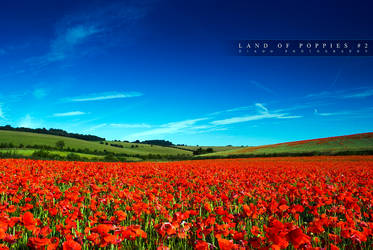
[261, 203]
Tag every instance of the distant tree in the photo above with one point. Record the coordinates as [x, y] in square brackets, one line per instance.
[200, 151]
[209, 150]
[60, 144]
[163, 143]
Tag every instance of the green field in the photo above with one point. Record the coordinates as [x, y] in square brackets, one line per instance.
[215, 148]
[26, 139]
[23, 144]
[145, 149]
[332, 145]
[29, 152]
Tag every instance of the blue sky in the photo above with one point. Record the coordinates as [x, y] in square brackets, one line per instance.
[158, 70]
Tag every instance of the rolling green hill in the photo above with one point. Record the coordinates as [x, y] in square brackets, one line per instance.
[29, 152]
[31, 139]
[214, 148]
[331, 145]
[26, 144]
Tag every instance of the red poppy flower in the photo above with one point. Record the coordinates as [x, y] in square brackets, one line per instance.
[38, 243]
[71, 245]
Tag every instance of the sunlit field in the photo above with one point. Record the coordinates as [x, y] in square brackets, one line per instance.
[277, 203]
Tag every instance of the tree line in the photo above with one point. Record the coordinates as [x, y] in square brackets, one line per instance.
[54, 131]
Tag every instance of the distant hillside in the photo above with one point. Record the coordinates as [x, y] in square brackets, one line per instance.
[330, 145]
[53, 131]
[214, 148]
[13, 140]
[15, 144]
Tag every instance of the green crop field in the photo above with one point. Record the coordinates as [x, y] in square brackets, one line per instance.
[144, 149]
[352, 143]
[214, 148]
[25, 138]
[23, 144]
[29, 152]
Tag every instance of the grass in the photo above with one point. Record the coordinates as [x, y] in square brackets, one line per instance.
[332, 145]
[29, 152]
[144, 149]
[25, 138]
[357, 142]
[215, 148]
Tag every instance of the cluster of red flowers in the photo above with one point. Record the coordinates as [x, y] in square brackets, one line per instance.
[268, 203]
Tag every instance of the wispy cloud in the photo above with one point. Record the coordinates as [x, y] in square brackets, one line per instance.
[63, 46]
[92, 28]
[199, 125]
[365, 112]
[103, 96]
[284, 116]
[243, 119]
[94, 128]
[361, 94]
[118, 125]
[261, 86]
[1, 112]
[72, 113]
[263, 114]
[356, 93]
[168, 128]
[130, 125]
[262, 108]
[29, 122]
[243, 108]
[323, 94]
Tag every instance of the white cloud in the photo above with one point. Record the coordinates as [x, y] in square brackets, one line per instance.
[262, 108]
[261, 86]
[96, 127]
[168, 128]
[263, 114]
[130, 125]
[66, 41]
[72, 113]
[361, 94]
[103, 96]
[343, 94]
[93, 28]
[290, 117]
[243, 119]
[323, 94]
[316, 112]
[118, 125]
[231, 110]
[29, 122]
[1, 112]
